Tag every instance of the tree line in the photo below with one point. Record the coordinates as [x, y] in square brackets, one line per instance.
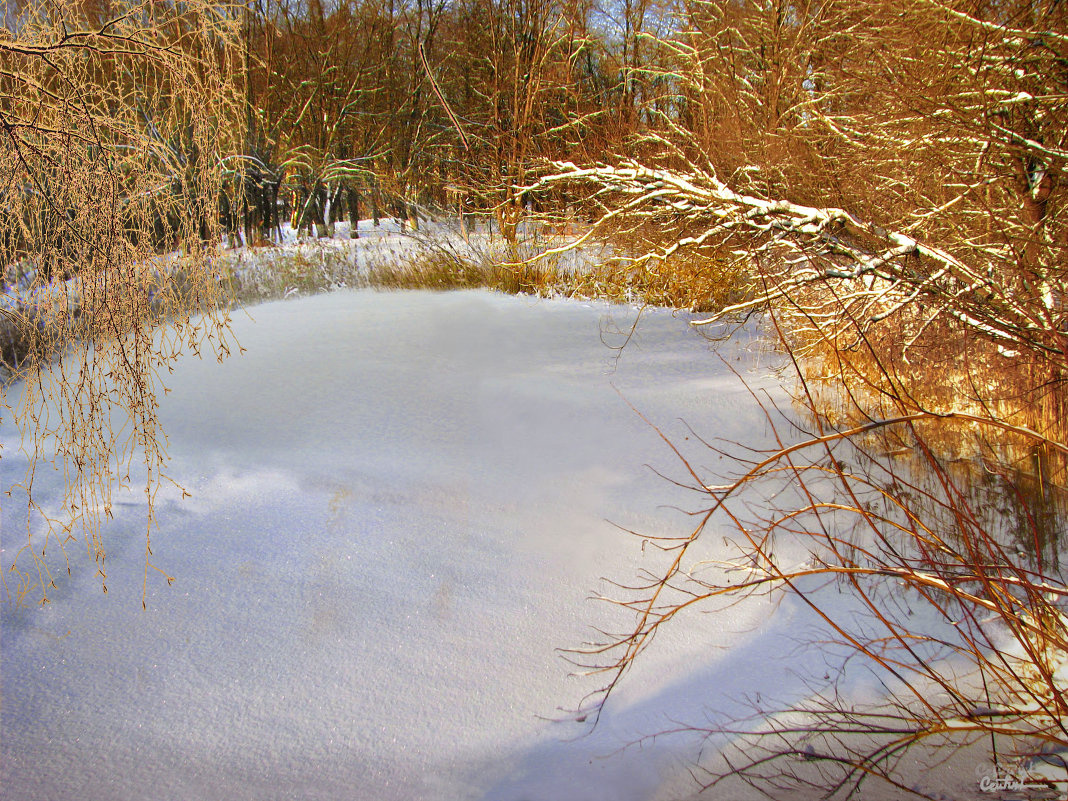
[355, 108]
[361, 108]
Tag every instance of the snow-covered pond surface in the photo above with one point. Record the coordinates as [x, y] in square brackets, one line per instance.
[400, 507]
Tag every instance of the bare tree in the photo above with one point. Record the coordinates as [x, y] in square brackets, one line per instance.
[114, 119]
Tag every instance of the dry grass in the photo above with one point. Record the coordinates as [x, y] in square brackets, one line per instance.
[694, 283]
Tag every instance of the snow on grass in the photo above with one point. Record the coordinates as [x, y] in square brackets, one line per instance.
[441, 254]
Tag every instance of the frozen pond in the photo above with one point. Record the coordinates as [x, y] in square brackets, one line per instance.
[400, 507]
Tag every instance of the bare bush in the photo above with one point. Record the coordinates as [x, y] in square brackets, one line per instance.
[886, 179]
[955, 603]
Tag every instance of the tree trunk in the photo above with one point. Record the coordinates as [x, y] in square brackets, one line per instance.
[354, 212]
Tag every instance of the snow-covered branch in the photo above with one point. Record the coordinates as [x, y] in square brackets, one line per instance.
[873, 272]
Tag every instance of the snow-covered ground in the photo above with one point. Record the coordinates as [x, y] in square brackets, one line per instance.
[400, 506]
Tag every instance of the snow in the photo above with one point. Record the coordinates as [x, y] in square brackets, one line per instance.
[401, 504]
